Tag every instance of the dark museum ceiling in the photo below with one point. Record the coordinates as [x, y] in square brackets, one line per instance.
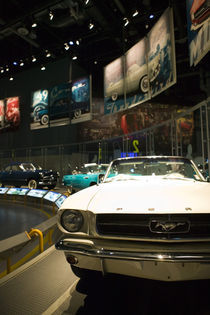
[61, 21]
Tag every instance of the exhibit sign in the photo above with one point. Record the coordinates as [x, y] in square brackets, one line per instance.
[198, 28]
[39, 193]
[18, 191]
[81, 100]
[60, 200]
[161, 54]
[39, 110]
[59, 105]
[52, 196]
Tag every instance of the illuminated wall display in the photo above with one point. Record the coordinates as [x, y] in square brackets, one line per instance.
[81, 100]
[39, 110]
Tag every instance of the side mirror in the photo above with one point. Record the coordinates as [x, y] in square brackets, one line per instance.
[100, 178]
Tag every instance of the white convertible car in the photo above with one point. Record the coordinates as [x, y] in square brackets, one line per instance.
[148, 218]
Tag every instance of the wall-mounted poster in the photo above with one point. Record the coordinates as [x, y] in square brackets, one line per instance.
[136, 74]
[2, 117]
[198, 27]
[81, 100]
[39, 107]
[59, 105]
[114, 87]
[161, 54]
[12, 113]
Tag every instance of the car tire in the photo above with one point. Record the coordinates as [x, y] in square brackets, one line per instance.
[93, 183]
[85, 274]
[114, 97]
[32, 184]
[77, 113]
[44, 120]
[144, 84]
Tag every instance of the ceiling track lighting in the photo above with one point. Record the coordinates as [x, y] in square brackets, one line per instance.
[126, 21]
[21, 63]
[91, 26]
[33, 59]
[48, 54]
[71, 42]
[11, 78]
[86, 2]
[34, 25]
[151, 16]
[135, 13]
[43, 68]
[51, 15]
[74, 58]
[66, 46]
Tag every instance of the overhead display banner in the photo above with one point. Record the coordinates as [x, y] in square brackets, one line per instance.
[114, 89]
[59, 105]
[147, 69]
[81, 100]
[198, 27]
[136, 74]
[161, 54]
[39, 110]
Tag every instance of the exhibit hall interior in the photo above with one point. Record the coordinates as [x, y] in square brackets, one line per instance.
[104, 156]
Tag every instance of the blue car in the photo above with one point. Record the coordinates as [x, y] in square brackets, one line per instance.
[87, 176]
[28, 174]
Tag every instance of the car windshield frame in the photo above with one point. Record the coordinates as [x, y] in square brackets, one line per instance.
[152, 167]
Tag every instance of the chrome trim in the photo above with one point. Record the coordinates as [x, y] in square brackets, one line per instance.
[87, 250]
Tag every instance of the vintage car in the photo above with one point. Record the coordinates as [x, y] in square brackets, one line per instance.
[136, 79]
[148, 218]
[27, 174]
[84, 177]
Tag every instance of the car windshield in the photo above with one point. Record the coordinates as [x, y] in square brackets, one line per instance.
[87, 169]
[27, 167]
[141, 167]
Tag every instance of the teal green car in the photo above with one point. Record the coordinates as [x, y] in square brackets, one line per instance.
[87, 176]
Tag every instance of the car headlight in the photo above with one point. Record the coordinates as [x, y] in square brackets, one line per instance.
[72, 220]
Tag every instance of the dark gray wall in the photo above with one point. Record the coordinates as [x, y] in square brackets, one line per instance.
[23, 85]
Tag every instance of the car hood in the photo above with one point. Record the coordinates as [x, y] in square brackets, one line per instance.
[144, 196]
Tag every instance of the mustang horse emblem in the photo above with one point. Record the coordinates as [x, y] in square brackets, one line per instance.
[168, 226]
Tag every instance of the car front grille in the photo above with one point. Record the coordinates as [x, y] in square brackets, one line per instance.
[160, 226]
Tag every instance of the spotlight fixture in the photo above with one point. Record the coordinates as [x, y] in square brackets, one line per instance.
[51, 15]
[77, 42]
[91, 25]
[71, 42]
[66, 46]
[151, 16]
[146, 26]
[11, 78]
[48, 54]
[74, 58]
[21, 63]
[126, 22]
[43, 68]
[33, 59]
[87, 1]
[135, 13]
[7, 68]
[2, 70]
[95, 62]
[34, 25]
[15, 63]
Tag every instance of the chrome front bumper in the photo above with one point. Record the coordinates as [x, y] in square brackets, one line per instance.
[88, 249]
